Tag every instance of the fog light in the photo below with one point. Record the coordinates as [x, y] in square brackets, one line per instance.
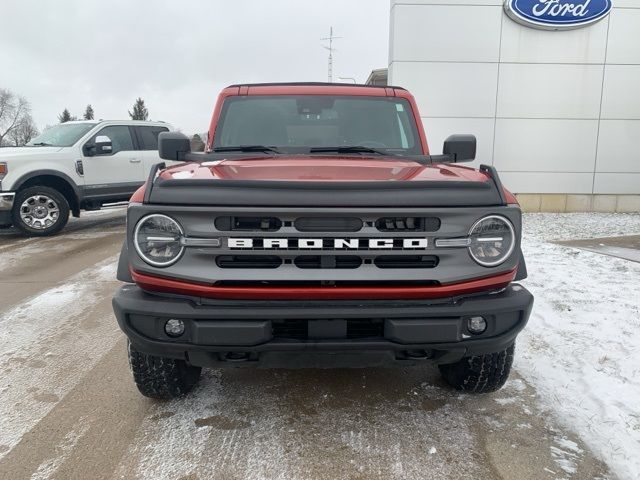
[476, 325]
[174, 327]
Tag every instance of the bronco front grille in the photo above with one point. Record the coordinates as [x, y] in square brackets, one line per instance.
[327, 248]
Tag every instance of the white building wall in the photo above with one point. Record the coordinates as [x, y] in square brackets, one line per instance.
[555, 112]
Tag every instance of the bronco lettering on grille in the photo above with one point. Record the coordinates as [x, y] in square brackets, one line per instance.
[328, 243]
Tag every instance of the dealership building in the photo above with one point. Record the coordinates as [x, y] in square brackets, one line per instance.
[555, 109]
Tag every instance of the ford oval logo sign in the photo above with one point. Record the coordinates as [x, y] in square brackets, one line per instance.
[557, 14]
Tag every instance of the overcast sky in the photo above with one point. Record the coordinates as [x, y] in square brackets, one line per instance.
[177, 55]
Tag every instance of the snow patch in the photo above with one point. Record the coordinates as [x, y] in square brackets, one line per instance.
[580, 348]
[40, 343]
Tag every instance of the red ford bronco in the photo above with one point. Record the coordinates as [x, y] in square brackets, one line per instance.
[317, 230]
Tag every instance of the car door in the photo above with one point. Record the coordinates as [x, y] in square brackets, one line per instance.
[114, 174]
[148, 141]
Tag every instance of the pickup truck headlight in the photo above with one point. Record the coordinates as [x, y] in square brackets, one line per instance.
[491, 240]
[157, 239]
[3, 169]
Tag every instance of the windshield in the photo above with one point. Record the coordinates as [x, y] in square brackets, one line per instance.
[295, 123]
[63, 135]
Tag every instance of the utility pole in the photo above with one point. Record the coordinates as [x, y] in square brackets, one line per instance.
[331, 38]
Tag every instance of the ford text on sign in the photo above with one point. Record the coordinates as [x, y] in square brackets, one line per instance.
[557, 14]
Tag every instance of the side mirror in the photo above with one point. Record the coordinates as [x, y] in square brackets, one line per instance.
[173, 145]
[102, 145]
[461, 148]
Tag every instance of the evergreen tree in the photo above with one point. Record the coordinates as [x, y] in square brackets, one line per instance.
[88, 113]
[140, 112]
[65, 116]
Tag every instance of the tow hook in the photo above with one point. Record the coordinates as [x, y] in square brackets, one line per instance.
[236, 356]
[417, 354]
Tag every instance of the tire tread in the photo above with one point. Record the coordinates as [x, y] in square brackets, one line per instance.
[160, 377]
[480, 373]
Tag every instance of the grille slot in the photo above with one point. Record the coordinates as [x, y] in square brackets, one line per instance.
[327, 261]
[365, 328]
[409, 261]
[297, 329]
[408, 224]
[327, 224]
[248, 261]
[248, 224]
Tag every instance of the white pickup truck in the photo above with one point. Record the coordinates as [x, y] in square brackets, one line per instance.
[74, 166]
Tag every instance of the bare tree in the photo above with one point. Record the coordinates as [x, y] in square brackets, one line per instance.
[14, 109]
[24, 133]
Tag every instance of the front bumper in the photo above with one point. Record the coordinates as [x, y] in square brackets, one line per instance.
[6, 204]
[244, 333]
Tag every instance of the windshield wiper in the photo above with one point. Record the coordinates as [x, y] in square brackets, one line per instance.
[41, 144]
[351, 149]
[247, 148]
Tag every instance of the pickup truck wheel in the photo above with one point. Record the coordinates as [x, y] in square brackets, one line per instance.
[479, 373]
[40, 211]
[160, 377]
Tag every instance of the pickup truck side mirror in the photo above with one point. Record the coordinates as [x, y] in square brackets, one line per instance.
[461, 148]
[173, 145]
[102, 145]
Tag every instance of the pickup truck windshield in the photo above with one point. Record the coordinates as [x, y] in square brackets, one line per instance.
[324, 123]
[63, 135]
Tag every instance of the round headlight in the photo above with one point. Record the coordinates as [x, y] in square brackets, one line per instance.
[491, 240]
[157, 240]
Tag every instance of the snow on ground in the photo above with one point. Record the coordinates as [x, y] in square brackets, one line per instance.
[581, 348]
[39, 334]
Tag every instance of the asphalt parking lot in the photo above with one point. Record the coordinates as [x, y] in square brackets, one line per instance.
[69, 408]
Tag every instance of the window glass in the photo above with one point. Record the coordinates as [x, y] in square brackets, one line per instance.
[297, 121]
[120, 138]
[63, 135]
[149, 137]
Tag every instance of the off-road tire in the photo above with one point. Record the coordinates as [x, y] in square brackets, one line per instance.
[479, 373]
[55, 195]
[160, 377]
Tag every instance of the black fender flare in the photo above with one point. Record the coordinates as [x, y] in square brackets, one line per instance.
[521, 273]
[53, 173]
[123, 273]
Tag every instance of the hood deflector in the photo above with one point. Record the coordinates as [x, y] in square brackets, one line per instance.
[272, 193]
